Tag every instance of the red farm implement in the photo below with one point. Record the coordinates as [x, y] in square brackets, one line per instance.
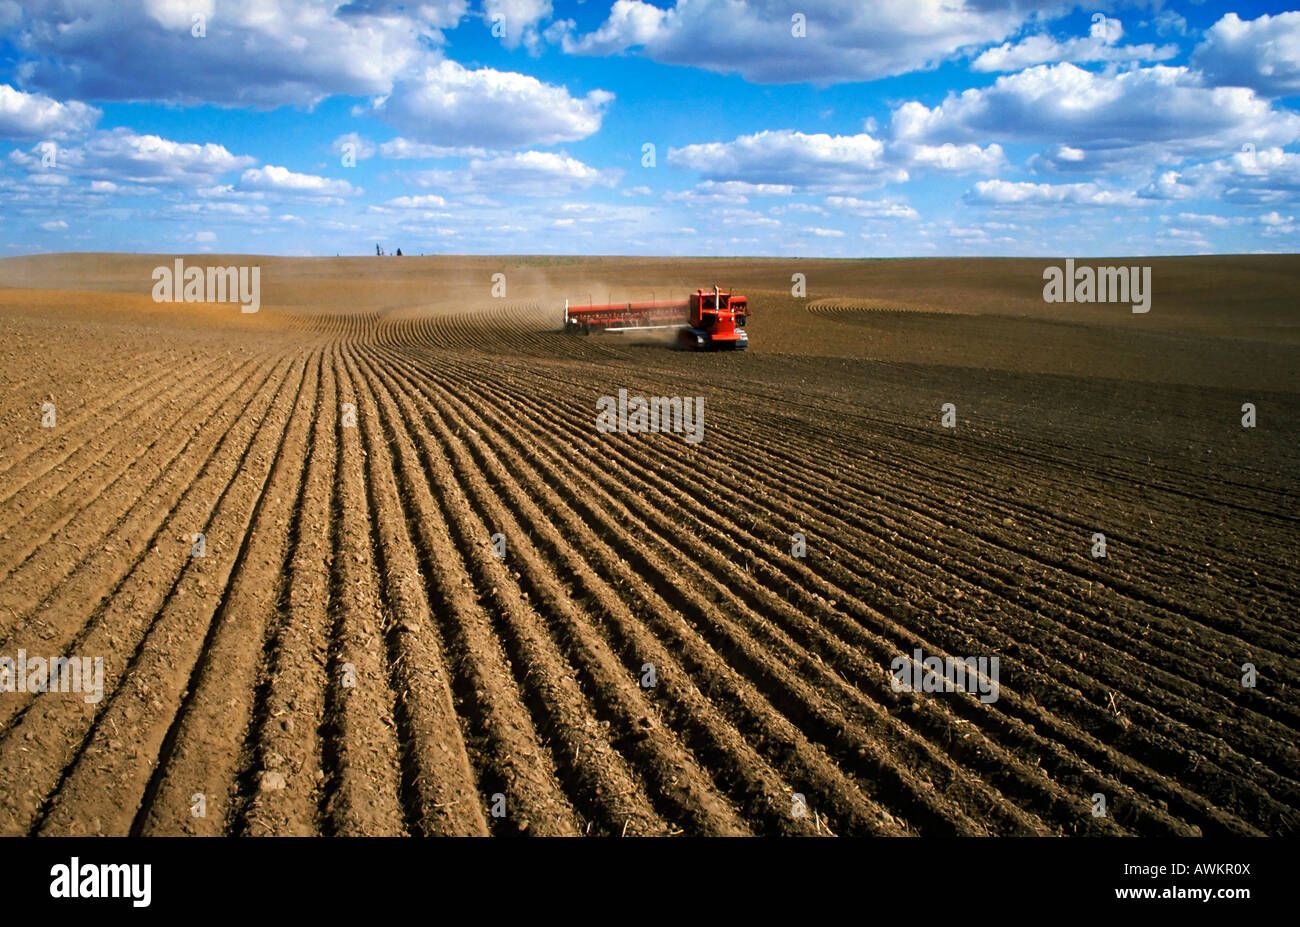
[705, 321]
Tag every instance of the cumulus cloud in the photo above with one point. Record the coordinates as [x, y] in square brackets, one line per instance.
[1043, 49]
[1263, 54]
[950, 158]
[1170, 23]
[264, 53]
[273, 179]
[496, 109]
[1168, 186]
[1266, 176]
[872, 209]
[353, 144]
[1274, 225]
[1194, 218]
[526, 173]
[26, 116]
[427, 201]
[1101, 121]
[123, 156]
[846, 40]
[749, 218]
[517, 21]
[1189, 238]
[403, 149]
[734, 192]
[793, 159]
[1008, 193]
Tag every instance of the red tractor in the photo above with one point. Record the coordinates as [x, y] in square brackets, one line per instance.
[705, 321]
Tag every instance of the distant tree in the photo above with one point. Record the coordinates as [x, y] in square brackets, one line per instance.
[399, 252]
[379, 252]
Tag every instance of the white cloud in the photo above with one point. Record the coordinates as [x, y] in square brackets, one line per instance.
[123, 156]
[734, 192]
[260, 52]
[1193, 218]
[273, 179]
[216, 209]
[950, 158]
[1170, 23]
[846, 40]
[872, 209]
[526, 173]
[748, 218]
[1191, 238]
[403, 149]
[1008, 193]
[427, 201]
[26, 116]
[793, 159]
[1118, 121]
[799, 207]
[1263, 54]
[1043, 49]
[488, 107]
[352, 143]
[517, 21]
[54, 225]
[1270, 175]
[1275, 225]
[1168, 186]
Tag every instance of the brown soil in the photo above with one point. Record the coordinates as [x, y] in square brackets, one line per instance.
[350, 656]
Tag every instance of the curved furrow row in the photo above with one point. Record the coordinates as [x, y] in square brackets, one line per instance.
[662, 582]
[203, 746]
[87, 386]
[128, 539]
[101, 537]
[117, 627]
[65, 514]
[731, 579]
[153, 687]
[602, 593]
[690, 796]
[52, 449]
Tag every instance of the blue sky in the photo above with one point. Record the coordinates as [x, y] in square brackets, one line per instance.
[837, 128]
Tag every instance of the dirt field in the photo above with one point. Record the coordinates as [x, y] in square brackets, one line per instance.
[350, 656]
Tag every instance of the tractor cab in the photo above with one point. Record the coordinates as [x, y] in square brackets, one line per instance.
[717, 321]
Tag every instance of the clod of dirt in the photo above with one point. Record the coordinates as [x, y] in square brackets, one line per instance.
[272, 780]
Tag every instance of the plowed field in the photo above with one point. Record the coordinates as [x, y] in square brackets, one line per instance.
[350, 655]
